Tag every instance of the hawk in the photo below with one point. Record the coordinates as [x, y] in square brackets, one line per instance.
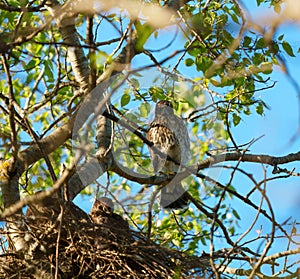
[102, 213]
[169, 136]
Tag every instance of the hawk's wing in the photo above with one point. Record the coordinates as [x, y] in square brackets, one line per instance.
[179, 128]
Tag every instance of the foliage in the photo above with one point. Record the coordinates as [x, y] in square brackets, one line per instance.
[208, 62]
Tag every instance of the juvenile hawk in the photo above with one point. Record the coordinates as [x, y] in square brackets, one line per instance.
[102, 213]
[170, 136]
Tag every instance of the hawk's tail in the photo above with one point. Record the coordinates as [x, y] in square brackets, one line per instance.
[173, 197]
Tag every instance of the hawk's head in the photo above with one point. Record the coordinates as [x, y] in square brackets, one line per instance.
[164, 108]
[102, 205]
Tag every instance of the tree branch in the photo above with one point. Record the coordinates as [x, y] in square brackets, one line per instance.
[38, 196]
[76, 56]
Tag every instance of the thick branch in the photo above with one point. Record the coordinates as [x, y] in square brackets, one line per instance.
[33, 153]
[84, 176]
[194, 169]
[93, 168]
[37, 197]
[10, 189]
[76, 56]
[255, 158]
[281, 254]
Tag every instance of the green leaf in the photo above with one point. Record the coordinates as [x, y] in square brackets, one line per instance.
[231, 230]
[189, 62]
[125, 99]
[236, 119]
[288, 49]
[111, 15]
[247, 111]
[48, 72]
[156, 93]
[176, 242]
[145, 109]
[144, 31]
[247, 41]
[235, 18]
[260, 109]
[261, 43]
[215, 82]
[202, 239]
[257, 58]
[203, 63]
[32, 63]
[266, 67]
[258, 2]
[236, 215]
[275, 47]
[280, 37]
[135, 83]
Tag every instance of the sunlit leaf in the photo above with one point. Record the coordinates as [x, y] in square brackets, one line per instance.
[125, 99]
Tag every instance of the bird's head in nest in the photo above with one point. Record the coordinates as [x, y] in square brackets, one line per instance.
[164, 108]
[104, 205]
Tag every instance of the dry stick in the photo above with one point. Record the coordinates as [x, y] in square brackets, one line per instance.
[213, 160]
[282, 254]
[288, 246]
[258, 210]
[59, 119]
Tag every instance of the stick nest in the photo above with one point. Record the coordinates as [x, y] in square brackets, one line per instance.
[70, 248]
